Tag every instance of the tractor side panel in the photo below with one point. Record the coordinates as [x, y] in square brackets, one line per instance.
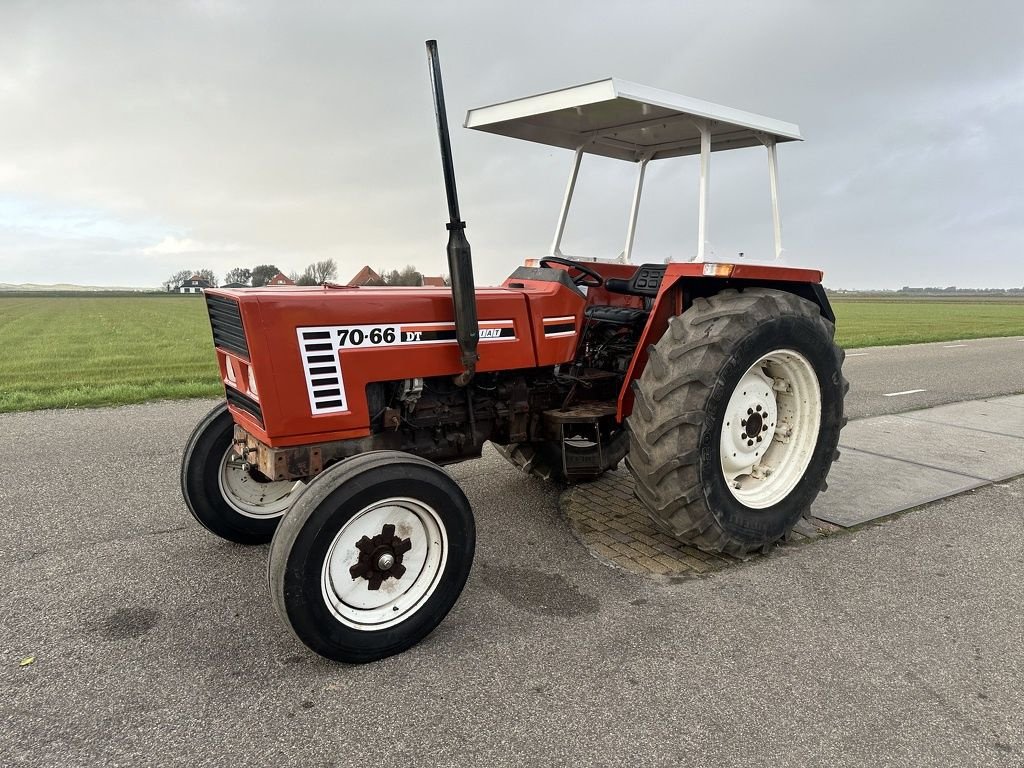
[556, 317]
[314, 351]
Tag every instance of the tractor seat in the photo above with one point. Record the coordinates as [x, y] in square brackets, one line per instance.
[604, 313]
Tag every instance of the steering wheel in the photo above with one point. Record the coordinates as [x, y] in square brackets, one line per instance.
[595, 281]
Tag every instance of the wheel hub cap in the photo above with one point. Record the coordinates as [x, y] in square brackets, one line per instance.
[749, 423]
[770, 428]
[380, 557]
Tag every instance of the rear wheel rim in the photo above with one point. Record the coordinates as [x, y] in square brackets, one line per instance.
[248, 496]
[770, 429]
[352, 599]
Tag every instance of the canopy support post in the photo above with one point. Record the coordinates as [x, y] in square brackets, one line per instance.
[634, 212]
[773, 181]
[705, 183]
[566, 202]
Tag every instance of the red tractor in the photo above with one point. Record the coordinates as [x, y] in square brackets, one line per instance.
[719, 383]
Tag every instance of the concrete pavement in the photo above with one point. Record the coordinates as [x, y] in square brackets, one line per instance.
[155, 643]
[932, 374]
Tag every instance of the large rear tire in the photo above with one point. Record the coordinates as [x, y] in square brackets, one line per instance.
[227, 497]
[737, 418]
[372, 555]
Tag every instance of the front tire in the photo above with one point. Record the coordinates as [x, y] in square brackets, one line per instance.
[737, 419]
[228, 498]
[372, 556]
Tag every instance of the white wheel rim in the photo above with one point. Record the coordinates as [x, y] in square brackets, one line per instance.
[779, 399]
[247, 495]
[350, 598]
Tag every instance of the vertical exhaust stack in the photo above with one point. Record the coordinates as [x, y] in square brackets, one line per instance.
[460, 262]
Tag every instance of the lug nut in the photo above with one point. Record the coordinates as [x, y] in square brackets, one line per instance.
[759, 438]
[750, 442]
[759, 408]
[750, 411]
[764, 428]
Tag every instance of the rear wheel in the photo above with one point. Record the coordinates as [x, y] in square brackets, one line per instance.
[226, 496]
[737, 419]
[372, 555]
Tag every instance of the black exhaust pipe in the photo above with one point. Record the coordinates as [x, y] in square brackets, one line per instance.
[460, 262]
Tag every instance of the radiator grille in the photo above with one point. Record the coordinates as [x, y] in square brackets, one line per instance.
[245, 403]
[226, 321]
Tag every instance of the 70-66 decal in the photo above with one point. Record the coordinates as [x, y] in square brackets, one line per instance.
[372, 335]
[353, 336]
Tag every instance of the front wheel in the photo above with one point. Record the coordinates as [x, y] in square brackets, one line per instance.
[228, 497]
[371, 556]
[737, 419]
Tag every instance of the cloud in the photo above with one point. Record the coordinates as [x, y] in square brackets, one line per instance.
[287, 132]
[176, 246]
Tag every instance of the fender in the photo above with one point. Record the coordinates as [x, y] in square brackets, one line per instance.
[684, 282]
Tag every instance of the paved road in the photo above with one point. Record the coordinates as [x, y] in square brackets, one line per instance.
[155, 643]
[947, 371]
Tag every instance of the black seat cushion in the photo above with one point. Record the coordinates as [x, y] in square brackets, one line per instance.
[616, 315]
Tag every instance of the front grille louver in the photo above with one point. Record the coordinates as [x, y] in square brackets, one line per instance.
[245, 403]
[226, 321]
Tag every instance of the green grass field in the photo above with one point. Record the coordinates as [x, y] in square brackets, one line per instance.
[877, 322]
[63, 352]
[60, 352]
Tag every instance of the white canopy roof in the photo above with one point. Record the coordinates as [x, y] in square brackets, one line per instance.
[623, 120]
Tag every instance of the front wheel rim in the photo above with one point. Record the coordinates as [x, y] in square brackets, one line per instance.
[770, 428]
[384, 564]
[248, 496]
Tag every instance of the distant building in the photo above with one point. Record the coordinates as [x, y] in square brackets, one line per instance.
[435, 282]
[234, 285]
[280, 279]
[195, 284]
[366, 276]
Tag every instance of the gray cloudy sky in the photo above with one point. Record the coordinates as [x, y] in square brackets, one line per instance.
[137, 139]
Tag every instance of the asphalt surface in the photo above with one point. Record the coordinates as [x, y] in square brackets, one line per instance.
[155, 643]
[947, 371]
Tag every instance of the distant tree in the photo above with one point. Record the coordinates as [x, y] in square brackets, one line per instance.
[407, 276]
[207, 274]
[411, 276]
[238, 275]
[175, 281]
[261, 275]
[322, 271]
[316, 273]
